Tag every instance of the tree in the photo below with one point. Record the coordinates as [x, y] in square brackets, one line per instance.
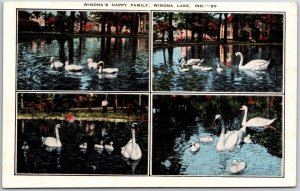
[219, 27]
[225, 28]
[170, 28]
[72, 20]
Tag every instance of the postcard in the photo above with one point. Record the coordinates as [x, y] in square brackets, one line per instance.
[149, 94]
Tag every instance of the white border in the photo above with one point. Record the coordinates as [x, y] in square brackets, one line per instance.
[9, 180]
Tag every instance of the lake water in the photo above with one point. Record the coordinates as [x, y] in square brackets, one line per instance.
[73, 160]
[166, 76]
[129, 55]
[207, 161]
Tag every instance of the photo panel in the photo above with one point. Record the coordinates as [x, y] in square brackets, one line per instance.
[81, 134]
[82, 50]
[218, 51]
[218, 135]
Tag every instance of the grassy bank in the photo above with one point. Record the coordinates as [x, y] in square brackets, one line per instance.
[90, 115]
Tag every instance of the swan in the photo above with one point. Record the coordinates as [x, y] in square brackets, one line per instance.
[167, 163]
[109, 147]
[53, 141]
[231, 139]
[219, 69]
[237, 167]
[55, 64]
[25, 146]
[183, 60]
[99, 146]
[73, 67]
[92, 64]
[83, 146]
[248, 139]
[208, 138]
[103, 70]
[132, 150]
[255, 65]
[195, 147]
[257, 121]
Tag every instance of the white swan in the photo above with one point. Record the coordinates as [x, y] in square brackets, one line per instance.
[167, 163]
[195, 147]
[25, 146]
[83, 146]
[219, 69]
[208, 138]
[257, 121]
[53, 141]
[237, 167]
[73, 67]
[255, 65]
[109, 147]
[231, 139]
[55, 64]
[92, 64]
[103, 70]
[99, 146]
[132, 150]
[183, 60]
[247, 139]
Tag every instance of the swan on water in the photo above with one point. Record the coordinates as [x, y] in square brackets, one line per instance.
[92, 64]
[99, 146]
[132, 150]
[247, 139]
[25, 146]
[55, 64]
[255, 65]
[183, 60]
[237, 167]
[53, 141]
[257, 121]
[208, 138]
[83, 146]
[167, 163]
[103, 70]
[231, 139]
[219, 69]
[109, 147]
[195, 147]
[73, 67]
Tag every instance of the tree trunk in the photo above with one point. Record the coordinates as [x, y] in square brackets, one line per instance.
[235, 27]
[103, 23]
[225, 28]
[81, 22]
[170, 29]
[72, 20]
[219, 28]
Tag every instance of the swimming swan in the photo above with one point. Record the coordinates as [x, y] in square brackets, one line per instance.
[103, 70]
[53, 141]
[195, 147]
[132, 150]
[73, 67]
[257, 121]
[208, 138]
[55, 64]
[237, 167]
[183, 60]
[247, 139]
[99, 146]
[255, 65]
[219, 69]
[109, 147]
[83, 146]
[231, 139]
[92, 64]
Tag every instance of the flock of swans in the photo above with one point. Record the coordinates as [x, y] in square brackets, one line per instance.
[130, 151]
[231, 139]
[253, 65]
[78, 68]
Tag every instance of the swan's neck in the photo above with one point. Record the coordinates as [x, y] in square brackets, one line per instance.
[245, 117]
[183, 63]
[100, 69]
[243, 128]
[222, 128]
[133, 136]
[241, 61]
[57, 134]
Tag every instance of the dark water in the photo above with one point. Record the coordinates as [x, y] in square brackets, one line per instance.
[166, 76]
[130, 56]
[72, 160]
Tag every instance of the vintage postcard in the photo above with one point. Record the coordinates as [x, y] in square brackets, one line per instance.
[149, 94]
